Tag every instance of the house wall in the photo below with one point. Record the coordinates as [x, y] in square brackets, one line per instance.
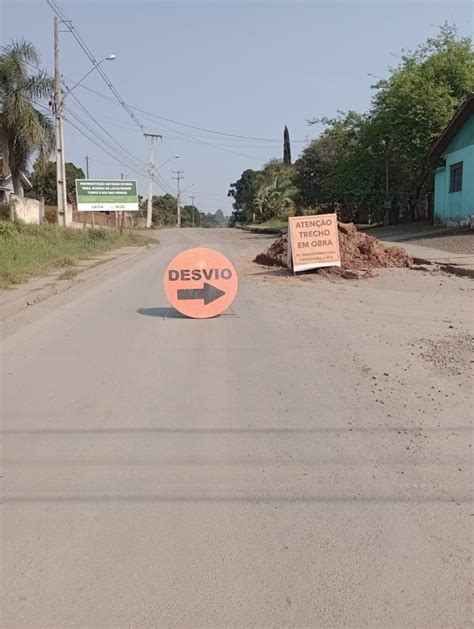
[439, 195]
[27, 210]
[456, 207]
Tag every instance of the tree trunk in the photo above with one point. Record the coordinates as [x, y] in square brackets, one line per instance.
[17, 185]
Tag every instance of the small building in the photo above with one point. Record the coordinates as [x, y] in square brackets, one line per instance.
[6, 183]
[454, 181]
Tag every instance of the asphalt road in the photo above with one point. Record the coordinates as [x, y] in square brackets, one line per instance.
[304, 461]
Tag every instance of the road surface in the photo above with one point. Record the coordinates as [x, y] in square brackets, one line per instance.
[302, 461]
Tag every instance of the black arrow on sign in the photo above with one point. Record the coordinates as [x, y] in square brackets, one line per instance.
[208, 293]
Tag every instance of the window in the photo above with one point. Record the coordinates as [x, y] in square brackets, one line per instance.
[455, 183]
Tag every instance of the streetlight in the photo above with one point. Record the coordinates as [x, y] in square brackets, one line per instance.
[190, 186]
[59, 97]
[168, 160]
[94, 67]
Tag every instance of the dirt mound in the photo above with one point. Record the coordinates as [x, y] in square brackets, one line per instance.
[360, 254]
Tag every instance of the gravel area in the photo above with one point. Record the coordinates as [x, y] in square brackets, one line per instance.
[462, 242]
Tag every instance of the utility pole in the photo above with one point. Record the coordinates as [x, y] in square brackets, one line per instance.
[387, 204]
[151, 174]
[59, 132]
[86, 159]
[192, 203]
[179, 175]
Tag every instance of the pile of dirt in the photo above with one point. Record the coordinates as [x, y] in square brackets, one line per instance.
[360, 254]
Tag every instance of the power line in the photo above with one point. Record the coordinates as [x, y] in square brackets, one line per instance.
[176, 122]
[184, 124]
[165, 188]
[160, 182]
[94, 119]
[90, 129]
[70, 26]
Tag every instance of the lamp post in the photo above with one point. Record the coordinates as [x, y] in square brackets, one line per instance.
[386, 142]
[180, 193]
[59, 97]
[168, 160]
[94, 67]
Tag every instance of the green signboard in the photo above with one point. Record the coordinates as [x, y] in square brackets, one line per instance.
[105, 195]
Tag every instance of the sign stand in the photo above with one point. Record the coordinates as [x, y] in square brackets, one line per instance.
[200, 283]
[232, 313]
[313, 242]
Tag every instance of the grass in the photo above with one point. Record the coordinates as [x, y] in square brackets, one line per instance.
[273, 223]
[34, 250]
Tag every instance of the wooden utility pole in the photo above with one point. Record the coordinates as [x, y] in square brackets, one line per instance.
[192, 203]
[59, 132]
[179, 175]
[151, 174]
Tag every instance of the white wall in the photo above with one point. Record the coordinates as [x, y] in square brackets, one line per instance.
[27, 210]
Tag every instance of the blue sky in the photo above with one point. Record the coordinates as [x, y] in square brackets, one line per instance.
[242, 68]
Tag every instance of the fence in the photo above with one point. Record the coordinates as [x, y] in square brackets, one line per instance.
[122, 220]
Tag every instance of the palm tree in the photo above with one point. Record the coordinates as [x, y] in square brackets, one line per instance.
[23, 129]
[273, 200]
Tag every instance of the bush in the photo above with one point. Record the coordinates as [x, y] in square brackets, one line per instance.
[98, 235]
[8, 230]
[4, 211]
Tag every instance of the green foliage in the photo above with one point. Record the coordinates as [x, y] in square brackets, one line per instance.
[27, 250]
[413, 106]
[165, 214]
[286, 147]
[345, 169]
[187, 213]
[263, 194]
[244, 192]
[164, 210]
[273, 200]
[201, 219]
[24, 130]
[43, 180]
[8, 231]
[346, 166]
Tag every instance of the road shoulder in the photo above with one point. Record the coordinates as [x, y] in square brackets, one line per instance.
[39, 289]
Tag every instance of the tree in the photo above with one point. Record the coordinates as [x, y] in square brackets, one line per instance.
[286, 147]
[273, 200]
[43, 181]
[346, 165]
[187, 214]
[24, 130]
[256, 187]
[413, 106]
[244, 191]
[164, 210]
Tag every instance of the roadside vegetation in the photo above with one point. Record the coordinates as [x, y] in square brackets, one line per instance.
[33, 250]
[363, 163]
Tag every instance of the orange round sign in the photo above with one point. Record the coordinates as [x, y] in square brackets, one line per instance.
[200, 283]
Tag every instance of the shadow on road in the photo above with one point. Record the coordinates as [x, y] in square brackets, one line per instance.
[163, 313]
[171, 313]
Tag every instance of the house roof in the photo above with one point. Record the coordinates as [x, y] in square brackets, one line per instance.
[6, 178]
[457, 122]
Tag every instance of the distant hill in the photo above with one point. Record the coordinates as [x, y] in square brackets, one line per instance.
[220, 219]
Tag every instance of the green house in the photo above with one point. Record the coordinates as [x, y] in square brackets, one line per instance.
[454, 182]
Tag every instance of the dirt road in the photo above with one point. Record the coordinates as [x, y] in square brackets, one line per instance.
[302, 462]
